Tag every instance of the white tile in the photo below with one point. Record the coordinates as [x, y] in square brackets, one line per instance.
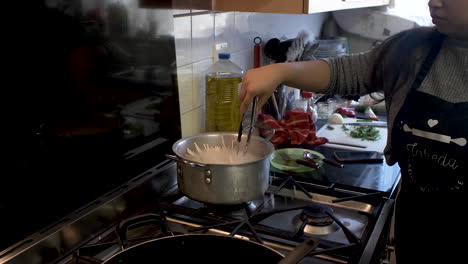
[286, 26]
[243, 36]
[278, 25]
[197, 116]
[183, 40]
[224, 30]
[199, 71]
[185, 122]
[181, 12]
[243, 59]
[192, 122]
[202, 37]
[184, 81]
[268, 26]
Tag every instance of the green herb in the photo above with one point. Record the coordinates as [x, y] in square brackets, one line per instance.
[363, 132]
[363, 120]
[330, 128]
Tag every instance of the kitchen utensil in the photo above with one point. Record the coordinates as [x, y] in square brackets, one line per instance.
[347, 144]
[223, 183]
[250, 127]
[276, 49]
[291, 166]
[257, 47]
[312, 156]
[374, 124]
[221, 249]
[257, 64]
[192, 248]
[308, 163]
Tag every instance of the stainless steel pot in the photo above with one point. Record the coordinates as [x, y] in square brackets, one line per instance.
[223, 183]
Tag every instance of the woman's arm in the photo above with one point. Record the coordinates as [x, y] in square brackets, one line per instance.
[306, 75]
[345, 75]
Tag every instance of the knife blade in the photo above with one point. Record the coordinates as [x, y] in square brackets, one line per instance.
[374, 124]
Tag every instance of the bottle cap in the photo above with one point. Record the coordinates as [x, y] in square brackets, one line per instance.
[305, 94]
[224, 55]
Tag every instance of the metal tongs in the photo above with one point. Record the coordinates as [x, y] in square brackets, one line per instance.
[251, 125]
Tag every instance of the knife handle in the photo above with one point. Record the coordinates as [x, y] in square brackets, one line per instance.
[333, 163]
[307, 163]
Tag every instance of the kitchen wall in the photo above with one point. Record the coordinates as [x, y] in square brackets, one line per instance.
[196, 33]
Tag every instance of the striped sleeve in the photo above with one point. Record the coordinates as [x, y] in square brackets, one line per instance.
[351, 74]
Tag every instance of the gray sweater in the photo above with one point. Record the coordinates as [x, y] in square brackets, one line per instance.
[447, 79]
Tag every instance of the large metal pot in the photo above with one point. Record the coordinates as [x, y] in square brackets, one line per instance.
[223, 183]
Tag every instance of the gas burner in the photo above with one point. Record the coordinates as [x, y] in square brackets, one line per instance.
[316, 215]
[315, 221]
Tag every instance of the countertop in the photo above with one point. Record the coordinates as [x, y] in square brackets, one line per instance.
[371, 176]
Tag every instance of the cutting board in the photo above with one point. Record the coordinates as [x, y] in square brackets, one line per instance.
[338, 135]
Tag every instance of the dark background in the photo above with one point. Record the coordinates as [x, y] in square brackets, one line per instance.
[84, 86]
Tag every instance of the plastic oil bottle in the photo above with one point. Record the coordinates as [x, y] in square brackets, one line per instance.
[222, 95]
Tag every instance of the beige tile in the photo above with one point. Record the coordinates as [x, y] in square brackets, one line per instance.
[184, 79]
[183, 40]
[202, 37]
[198, 82]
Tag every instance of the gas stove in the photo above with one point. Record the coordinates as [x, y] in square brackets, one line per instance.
[347, 222]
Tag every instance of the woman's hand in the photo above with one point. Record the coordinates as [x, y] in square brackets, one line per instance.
[311, 76]
[260, 82]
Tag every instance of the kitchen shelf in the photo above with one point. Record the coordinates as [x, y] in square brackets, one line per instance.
[265, 6]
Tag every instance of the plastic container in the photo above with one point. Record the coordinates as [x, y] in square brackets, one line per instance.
[305, 103]
[323, 110]
[222, 95]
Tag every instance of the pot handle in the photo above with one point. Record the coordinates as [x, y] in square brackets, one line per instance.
[300, 252]
[140, 220]
[273, 131]
[191, 164]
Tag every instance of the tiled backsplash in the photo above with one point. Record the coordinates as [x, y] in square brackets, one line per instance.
[197, 32]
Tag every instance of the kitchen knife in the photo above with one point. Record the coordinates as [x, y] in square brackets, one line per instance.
[374, 124]
[346, 144]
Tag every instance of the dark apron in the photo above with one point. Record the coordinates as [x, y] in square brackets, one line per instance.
[429, 137]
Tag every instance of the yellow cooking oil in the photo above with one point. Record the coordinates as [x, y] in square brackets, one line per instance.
[222, 104]
[222, 101]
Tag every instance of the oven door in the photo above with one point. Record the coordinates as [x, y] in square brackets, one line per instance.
[95, 90]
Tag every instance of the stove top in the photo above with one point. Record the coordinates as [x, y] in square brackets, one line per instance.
[285, 210]
[150, 206]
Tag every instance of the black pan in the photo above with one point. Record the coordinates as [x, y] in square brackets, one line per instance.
[207, 249]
